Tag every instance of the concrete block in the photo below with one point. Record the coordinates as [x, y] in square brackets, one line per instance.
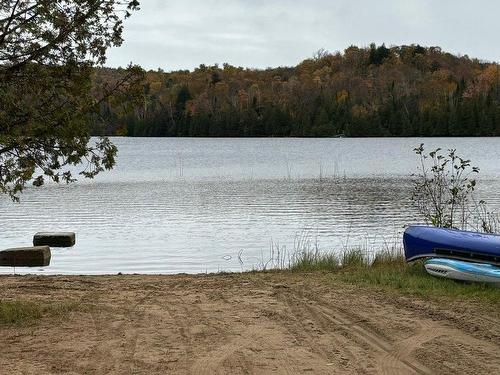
[38, 256]
[55, 239]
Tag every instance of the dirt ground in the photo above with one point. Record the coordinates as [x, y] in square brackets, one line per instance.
[243, 324]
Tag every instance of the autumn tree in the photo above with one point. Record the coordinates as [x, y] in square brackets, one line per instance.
[371, 91]
[48, 102]
[378, 54]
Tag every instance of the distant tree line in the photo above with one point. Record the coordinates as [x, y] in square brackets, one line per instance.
[374, 91]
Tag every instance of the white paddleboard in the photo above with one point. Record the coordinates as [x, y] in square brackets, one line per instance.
[464, 271]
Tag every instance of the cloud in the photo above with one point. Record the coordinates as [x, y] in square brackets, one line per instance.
[182, 34]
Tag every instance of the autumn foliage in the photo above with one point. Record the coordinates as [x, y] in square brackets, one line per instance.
[373, 91]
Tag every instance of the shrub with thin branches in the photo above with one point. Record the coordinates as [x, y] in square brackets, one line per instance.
[443, 192]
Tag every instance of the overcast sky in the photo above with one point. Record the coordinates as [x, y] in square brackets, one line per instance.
[182, 34]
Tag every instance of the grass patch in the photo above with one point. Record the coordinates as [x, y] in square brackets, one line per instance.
[20, 313]
[389, 270]
[322, 261]
[314, 261]
[355, 258]
[412, 279]
[326, 261]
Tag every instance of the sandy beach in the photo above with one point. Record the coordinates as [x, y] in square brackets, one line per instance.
[257, 323]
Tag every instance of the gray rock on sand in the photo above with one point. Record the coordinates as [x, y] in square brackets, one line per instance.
[54, 239]
[38, 256]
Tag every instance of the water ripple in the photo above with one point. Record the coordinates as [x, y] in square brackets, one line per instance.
[146, 217]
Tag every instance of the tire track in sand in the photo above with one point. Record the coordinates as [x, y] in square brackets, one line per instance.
[213, 362]
[389, 359]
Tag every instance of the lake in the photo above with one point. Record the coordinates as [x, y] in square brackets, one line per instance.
[179, 205]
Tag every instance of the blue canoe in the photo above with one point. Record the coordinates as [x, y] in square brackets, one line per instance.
[463, 271]
[427, 242]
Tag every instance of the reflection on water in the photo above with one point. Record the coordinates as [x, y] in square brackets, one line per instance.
[192, 205]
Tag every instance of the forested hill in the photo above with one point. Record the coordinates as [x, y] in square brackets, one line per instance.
[375, 91]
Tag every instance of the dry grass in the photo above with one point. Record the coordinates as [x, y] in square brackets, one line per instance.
[21, 313]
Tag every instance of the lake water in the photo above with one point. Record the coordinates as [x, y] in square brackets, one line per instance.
[208, 205]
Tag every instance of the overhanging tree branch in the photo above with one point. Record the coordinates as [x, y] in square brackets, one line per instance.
[48, 50]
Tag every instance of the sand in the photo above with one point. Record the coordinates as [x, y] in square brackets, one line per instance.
[261, 323]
